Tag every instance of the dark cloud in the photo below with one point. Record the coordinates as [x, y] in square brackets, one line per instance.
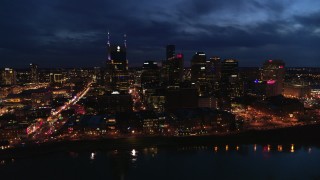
[313, 20]
[74, 32]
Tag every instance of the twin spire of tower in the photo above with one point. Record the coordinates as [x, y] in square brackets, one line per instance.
[124, 39]
[109, 44]
[108, 39]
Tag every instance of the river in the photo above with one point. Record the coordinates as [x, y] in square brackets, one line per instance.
[224, 161]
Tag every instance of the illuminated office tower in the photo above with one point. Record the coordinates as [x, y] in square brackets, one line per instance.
[150, 76]
[198, 67]
[172, 67]
[199, 73]
[34, 74]
[230, 81]
[8, 77]
[273, 72]
[175, 68]
[213, 67]
[229, 68]
[117, 75]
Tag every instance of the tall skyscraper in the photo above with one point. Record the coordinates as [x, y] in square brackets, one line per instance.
[213, 67]
[150, 76]
[198, 67]
[230, 69]
[34, 74]
[199, 73]
[172, 67]
[9, 77]
[117, 75]
[170, 51]
[175, 69]
[230, 81]
[273, 72]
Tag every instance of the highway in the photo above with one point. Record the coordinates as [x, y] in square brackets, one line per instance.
[41, 130]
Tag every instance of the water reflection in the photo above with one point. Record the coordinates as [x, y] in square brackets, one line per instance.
[124, 163]
[153, 151]
[134, 155]
[216, 149]
[267, 148]
[5, 162]
[92, 156]
[292, 148]
[133, 152]
[217, 158]
[187, 148]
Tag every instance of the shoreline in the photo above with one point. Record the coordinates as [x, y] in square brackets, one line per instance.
[303, 135]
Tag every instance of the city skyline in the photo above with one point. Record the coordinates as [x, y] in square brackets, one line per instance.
[171, 89]
[74, 34]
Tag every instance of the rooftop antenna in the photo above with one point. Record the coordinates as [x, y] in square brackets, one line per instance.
[125, 40]
[109, 57]
[108, 39]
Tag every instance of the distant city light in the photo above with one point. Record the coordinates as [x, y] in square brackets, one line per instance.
[92, 156]
[179, 56]
[115, 92]
[271, 81]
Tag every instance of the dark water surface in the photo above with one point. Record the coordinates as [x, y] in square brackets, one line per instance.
[192, 162]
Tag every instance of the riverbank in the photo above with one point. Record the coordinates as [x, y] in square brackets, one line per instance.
[303, 135]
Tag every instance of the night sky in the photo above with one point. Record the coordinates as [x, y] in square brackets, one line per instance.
[73, 33]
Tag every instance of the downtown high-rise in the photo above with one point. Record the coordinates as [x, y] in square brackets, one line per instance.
[273, 72]
[117, 75]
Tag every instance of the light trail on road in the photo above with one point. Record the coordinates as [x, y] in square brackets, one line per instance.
[46, 128]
